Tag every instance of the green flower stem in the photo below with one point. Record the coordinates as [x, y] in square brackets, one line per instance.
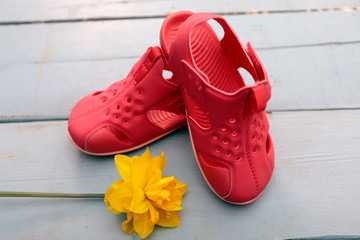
[50, 195]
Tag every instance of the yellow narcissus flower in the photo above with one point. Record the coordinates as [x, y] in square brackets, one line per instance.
[144, 194]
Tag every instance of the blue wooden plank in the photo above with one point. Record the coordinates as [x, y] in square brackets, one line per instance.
[34, 10]
[319, 67]
[314, 77]
[91, 41]
[312, 61]
[314, 190]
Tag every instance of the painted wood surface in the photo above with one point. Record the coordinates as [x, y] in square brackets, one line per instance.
[314, 190]
[317, 77]
[35, 10]
[311, 50]
[91, 41]
[308, 68]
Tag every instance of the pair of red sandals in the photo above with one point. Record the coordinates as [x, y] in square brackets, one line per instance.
[226, 119]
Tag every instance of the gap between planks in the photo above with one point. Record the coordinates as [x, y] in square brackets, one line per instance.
[251, 12]
[28, 120]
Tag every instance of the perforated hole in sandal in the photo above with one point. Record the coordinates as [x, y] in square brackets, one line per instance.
[232, 120]
[167, 74]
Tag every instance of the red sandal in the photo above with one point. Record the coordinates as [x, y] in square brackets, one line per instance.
[130, 113]
[227, 123]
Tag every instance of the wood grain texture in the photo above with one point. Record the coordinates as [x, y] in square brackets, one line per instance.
[314, 190]
[90, 41]
[316, 77]
[35, 10]
[308, 68]
[311, 50]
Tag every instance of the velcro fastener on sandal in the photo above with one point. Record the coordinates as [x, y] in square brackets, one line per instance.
[147, 62]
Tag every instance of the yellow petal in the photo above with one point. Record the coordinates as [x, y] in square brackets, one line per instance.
[146, 155]
[176, 189]
[158, 195]
[142, 168]
[168, 198]
[140, 172]
[122, 163]
[156, 177]
[160, 184]
[174, 201]
[154, 215]
[114, 187]
[127, 225]
[142, 224]
[120, 200]
[159, 161]
[139, 203]
[118, 204]
[180, 186]
[111, 209]
[168, 218]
